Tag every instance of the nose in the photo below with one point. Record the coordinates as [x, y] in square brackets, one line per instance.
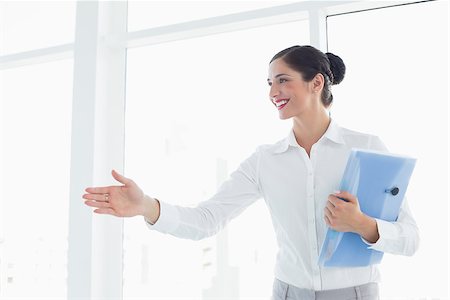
[273, 92]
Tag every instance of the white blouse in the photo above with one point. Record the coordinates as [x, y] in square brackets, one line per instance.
[295, 188]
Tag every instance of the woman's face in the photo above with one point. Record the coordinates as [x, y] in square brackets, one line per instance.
[288, 85]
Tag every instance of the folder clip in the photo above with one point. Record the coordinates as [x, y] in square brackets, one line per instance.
[394, 191]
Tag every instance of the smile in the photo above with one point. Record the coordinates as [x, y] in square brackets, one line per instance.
[280, 104]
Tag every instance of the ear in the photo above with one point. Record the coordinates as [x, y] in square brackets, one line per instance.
[318, 82]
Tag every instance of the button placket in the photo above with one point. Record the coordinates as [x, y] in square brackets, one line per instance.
[312, 221]
[311, 228]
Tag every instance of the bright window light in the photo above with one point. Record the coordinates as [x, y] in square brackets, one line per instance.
[396, 86]
[27, 25]
[147, 14]
[36, 125]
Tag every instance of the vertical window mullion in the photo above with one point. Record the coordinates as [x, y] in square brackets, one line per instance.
[318, 29]
[95, 241]
[82, 151]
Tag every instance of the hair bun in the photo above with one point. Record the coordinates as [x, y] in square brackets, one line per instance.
[337, 67]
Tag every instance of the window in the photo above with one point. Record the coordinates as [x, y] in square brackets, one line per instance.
[147, 14]
[27, 25]
[35, 137]
[194, 109]
[396, 87]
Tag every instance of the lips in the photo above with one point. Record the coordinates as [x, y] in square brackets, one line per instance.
[280, 103]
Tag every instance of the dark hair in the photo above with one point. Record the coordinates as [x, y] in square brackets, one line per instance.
[309, 61]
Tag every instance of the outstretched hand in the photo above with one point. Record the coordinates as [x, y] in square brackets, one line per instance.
[126, 200]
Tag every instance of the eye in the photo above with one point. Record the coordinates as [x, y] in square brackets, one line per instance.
[282, 80]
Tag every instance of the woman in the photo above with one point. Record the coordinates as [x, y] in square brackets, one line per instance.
[296, 177]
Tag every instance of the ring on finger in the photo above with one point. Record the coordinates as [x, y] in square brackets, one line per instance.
[106, 196]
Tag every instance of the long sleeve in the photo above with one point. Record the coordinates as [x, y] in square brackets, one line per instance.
[232, 197]
[399, 237]
[402, 236]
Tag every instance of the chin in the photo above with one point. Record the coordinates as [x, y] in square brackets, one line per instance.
[284, 117]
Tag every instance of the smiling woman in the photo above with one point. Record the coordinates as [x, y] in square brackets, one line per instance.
[205, 139]
[314, 153]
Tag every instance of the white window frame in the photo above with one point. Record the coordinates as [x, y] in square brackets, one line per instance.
[95, 255]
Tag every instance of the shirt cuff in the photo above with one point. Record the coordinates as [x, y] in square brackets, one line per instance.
[386, 231]
[168, 219]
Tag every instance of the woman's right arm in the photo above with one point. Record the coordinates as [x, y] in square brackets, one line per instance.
[234, 195]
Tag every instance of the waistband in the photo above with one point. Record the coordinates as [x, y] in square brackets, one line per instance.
[368, 289]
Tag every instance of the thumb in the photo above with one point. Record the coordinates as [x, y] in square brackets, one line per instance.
[120, 178]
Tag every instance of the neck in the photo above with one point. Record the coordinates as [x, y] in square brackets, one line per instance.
[309, 128]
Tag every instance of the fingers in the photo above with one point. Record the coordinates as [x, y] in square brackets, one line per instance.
[329, 208]
[98, 190]
[336, 205]
[96, 200]
[103, 207]
[107, 189]
[332, 199]
[340, 198]
[106, 211]
[99, 204]
[120, 178]
[327, 217]
[346, 195]
[96, 197]
[327, 220]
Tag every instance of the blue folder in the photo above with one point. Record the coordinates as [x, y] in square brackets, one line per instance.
[379, 180]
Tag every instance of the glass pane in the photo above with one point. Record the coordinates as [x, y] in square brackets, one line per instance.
[35, 138]
[26, 25]
[396, 87]
[195, 109]
[146, 14]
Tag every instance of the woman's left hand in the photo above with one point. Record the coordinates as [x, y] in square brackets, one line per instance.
[341, 215]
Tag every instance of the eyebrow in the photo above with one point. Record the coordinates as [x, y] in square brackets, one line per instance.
[279, 76]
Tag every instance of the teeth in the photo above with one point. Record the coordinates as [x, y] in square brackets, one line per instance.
[281, 103]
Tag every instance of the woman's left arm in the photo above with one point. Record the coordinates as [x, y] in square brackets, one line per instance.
[398, 237]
